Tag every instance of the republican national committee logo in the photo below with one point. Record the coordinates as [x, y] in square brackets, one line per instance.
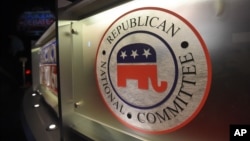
[153, 70]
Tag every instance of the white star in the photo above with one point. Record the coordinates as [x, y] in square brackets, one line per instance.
[123, 55]
[134, 53]
[146, 53]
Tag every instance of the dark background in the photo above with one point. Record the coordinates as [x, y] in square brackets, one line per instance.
[11, 80]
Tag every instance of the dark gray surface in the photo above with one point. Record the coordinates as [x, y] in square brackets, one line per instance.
[38, 119]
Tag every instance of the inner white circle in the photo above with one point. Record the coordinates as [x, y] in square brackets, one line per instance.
[165, 72]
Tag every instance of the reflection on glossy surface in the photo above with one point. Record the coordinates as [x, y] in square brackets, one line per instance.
[224, 26]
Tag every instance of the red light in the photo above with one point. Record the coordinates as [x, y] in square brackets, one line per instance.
[27, 72]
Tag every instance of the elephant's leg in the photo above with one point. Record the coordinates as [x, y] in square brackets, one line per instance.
[142, 74]
[122, 76]
[142, 81]
[133, 72]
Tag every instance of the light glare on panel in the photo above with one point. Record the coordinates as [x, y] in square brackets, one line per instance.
[89, 44]
[117, 11]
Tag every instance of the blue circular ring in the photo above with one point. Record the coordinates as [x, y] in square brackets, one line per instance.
[175, 64]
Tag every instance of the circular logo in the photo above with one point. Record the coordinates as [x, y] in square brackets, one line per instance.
[153, 70]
